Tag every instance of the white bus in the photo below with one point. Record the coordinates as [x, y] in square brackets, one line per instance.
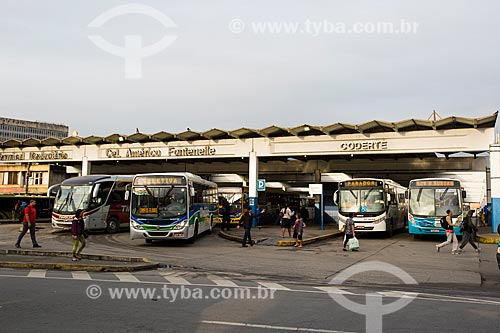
[102, 197]
[378, 205]
[429, 199]
[172, 206]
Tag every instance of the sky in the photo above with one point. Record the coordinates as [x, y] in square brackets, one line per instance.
[227, 68]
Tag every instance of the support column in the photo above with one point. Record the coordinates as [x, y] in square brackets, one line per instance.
[253, 174]
[495, 186]
[85, 166]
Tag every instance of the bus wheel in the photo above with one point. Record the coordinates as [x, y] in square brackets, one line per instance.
[149, 241]
[192, 239]
[113, 226]
[209, 231]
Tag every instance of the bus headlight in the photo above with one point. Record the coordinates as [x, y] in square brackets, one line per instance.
[412, 220]
[459, 219]
[180, 225]
[136, 225]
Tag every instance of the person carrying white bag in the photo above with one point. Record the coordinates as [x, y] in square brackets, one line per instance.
[349, 231]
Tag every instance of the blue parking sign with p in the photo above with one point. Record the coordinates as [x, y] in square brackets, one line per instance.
[261, 185]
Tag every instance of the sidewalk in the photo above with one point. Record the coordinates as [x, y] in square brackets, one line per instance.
[31, 259]
[271, 234]
[484, 235]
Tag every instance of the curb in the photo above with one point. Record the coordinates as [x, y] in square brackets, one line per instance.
[310, 240]
[141, 263]
[73, 267]
[487, 240]
[238, 239]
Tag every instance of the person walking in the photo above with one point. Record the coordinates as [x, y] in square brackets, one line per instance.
[77, 231]
[29, 221]
[225, 211]
[286, 221]
[451, 238]
[298, 230]
[246, 221]
[469, 229]
[16, 210]
[349, 230]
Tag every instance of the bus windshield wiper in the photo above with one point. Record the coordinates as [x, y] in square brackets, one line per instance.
[444, 193]
[354, 195]
[367, 194]
[419, 194]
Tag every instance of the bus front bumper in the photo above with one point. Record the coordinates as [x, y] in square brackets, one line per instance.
[158, 234]
[369, 227]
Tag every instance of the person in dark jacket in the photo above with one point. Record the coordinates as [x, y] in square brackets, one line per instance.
[468, 228]
[246, 221]
[77, 229]
[225, 211]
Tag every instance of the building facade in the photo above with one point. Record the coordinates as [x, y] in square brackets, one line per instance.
[22, 129]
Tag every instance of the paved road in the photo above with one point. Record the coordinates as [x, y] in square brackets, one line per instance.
[58, 301]
[315, 263]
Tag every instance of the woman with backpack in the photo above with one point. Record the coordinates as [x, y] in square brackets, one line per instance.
[78, 232]
[451, 238]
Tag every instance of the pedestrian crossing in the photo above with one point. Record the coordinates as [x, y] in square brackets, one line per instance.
[184, 278]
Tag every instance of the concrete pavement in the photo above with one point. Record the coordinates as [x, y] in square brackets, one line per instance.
[271, 235]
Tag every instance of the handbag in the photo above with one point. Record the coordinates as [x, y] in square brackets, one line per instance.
[343, 228]
[85, 233]
[353, 244]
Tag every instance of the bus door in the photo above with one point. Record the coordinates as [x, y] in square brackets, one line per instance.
[118, 205]
[100, 193]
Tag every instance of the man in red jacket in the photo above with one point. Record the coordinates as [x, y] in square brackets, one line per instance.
[29, 223]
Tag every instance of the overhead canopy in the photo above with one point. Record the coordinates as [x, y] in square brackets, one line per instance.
[374, 126]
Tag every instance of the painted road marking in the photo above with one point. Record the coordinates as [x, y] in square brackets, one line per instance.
[270, 327]
[173, 279]
[126, 277]
[37, 273]
[222, 282]
[272, 285]
[334, 290]
[81, 275]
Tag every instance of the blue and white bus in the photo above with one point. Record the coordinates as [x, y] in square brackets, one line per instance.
[172, 206]
[429, 199]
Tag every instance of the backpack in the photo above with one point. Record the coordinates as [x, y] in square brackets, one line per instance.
[21, 214]
[444, 223]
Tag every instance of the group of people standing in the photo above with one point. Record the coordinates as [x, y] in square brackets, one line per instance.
[289, 218]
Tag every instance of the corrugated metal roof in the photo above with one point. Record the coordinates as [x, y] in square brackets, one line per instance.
[374, 126]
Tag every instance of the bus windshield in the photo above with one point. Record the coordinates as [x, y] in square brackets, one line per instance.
[361, 200]
[71, 198]
[434, 201]
[158, 202]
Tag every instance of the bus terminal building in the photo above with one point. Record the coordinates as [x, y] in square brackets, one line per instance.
[455, 147]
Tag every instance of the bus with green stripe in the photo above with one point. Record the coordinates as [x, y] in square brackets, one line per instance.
[172, 206]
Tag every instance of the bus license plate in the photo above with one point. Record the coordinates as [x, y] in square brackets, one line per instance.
[434, 230]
